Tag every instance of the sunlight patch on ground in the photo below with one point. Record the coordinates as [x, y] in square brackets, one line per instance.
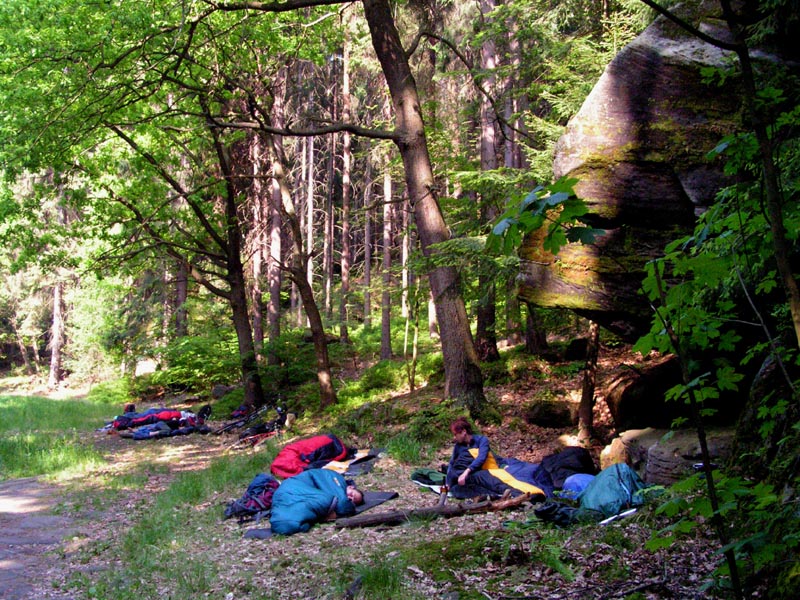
[19, 505]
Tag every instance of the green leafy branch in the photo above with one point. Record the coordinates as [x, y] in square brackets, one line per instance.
[554, 208]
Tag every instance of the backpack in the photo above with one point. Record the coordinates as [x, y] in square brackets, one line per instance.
[613, 490]
[256, 502]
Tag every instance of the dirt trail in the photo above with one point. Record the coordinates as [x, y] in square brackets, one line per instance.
[30, 534]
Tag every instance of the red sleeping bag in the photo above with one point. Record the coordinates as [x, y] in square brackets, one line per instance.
[308, 453]
[148, 417]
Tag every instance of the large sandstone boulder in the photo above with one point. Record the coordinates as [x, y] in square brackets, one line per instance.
[636, 395]
[638, 146]
[664, 457]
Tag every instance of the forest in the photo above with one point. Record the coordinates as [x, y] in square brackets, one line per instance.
[338, 206]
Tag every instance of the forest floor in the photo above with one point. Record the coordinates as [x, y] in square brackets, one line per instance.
[49, 534]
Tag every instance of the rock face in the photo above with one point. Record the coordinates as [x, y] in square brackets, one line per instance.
[665, 459]
[635, 397]
[638, 147]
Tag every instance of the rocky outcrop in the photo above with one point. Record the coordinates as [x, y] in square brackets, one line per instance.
[636, 396]
[639, 148]
[661, 456]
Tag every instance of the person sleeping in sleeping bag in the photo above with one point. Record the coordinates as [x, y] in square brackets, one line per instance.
[312, 497]
[474, 470]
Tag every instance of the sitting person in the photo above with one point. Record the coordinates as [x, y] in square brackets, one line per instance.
[474, 470]
[311, 497]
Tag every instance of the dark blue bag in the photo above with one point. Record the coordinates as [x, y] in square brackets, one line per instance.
[256, 502]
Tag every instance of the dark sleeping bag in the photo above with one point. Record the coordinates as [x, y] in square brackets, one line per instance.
[568, 462]
[308, 453]
[308, 498]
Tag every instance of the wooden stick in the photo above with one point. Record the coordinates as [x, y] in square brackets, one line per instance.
[397, 517]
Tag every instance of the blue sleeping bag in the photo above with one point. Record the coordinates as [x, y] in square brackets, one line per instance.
[308, 498]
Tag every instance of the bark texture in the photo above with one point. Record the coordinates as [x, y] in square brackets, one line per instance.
[463, 378]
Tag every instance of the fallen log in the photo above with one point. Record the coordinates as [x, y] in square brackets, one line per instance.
[397, 517]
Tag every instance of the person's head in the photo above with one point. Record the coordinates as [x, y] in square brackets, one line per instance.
[461, 430]
[355, 495]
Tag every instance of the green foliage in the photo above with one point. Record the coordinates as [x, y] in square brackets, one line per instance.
[406, 448]
[766, 527]
[418, 434]
[553, 208]
[116, 392]
[197, 362]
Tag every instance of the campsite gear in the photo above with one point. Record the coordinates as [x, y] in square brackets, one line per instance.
[258, 434]
[242, 411]
[559, 514]
[494, 476]
[308, 453]
[614, 489]
[360, 463]
[249, 418]
[622, 515]
[568, 461]
[172, 418]
[612, 493]
[429, 478]
[147, 417]
[308, 498]
[258, 534]
[204, 413]
[269, 427]
[256, 501]
[371, 500]
[575, 484]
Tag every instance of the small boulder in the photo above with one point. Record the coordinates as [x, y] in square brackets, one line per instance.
[552, 413]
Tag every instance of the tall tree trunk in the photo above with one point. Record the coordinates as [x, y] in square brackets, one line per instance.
[328, 237]
[586, 406]
[309, 217]
[299, 259]
[23, 352]
[433, 322]
[181, 319]
[368, 247]
[346, 191]
[386, 268]
[463, 378]
[405, 251]
[274, 272]
[297, 271]
[231, 242]
[486, 330]
[513, 312]
[259, 202]
[781, 247]
[56, 336]
[330, 216]
[251, 379]
[535, 334]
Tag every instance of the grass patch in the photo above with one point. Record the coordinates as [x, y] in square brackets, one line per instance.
[40, 436]
[405, 448]
[384, 579]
